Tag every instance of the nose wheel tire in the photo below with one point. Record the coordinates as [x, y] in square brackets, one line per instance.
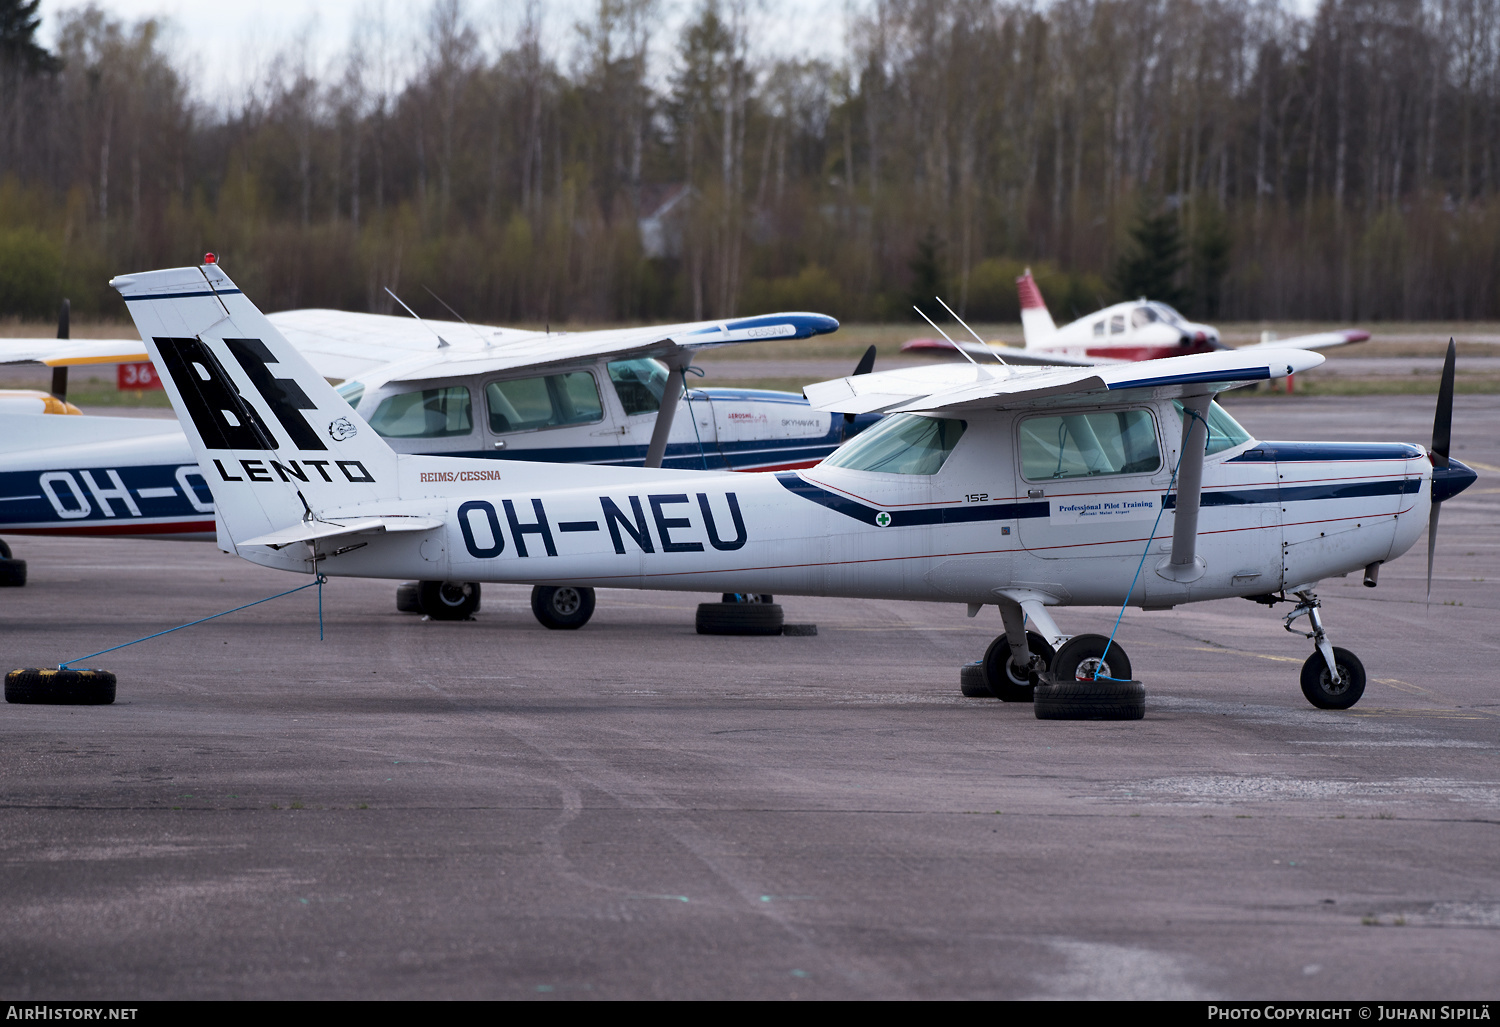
[1318, 686]
[1005, 681]
[449, 600]
[741, 618]
[12, 572]
[562, 607]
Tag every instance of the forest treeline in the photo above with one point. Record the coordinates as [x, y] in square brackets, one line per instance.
[1340, 165]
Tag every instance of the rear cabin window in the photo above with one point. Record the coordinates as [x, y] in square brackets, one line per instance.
[901, 444]
[548, 401]
[429, 414]
[1087, 445]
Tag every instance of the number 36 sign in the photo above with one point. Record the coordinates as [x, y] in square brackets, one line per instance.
[137, 376]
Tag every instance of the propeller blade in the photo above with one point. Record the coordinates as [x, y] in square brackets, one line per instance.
[1442, 422]
[62, 320]
[60, 374]
[865, 366]
[1432, 523]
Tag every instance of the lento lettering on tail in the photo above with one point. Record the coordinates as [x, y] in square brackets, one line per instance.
[479, 523]
[353, 471]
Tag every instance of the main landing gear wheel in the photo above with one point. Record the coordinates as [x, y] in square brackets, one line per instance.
[79, 687]
[740, 614]
[409, 597]
[12, 572]
[1006, 682]
[1318, 686]
[449, 600]
[1090, 684]
[563, 607]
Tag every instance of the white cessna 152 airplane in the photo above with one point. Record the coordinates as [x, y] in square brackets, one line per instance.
[1026, 489]
[1136, 330]
[438, 388]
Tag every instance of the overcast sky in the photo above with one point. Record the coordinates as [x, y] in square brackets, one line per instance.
[225, 46]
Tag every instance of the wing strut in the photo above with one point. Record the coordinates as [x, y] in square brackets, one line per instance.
[665, 415]
[1184, 564]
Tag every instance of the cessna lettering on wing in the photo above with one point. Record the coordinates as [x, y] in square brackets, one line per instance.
[226, 421]
[671, 514]
[460, 475]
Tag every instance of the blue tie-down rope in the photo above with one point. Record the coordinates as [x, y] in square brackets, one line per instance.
[1208, 433]
[312, 584]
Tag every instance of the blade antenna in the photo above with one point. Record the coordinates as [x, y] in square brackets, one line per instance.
[442, 342]
[945, 335]
[971, 331]
[459, 316]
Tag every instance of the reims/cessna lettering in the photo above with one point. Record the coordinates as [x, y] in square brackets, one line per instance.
[1022, 488]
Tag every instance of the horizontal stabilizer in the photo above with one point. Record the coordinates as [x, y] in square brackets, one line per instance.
[308, 531]
[1010, 354]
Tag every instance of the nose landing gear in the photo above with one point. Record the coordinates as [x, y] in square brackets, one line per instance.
[1332, 678]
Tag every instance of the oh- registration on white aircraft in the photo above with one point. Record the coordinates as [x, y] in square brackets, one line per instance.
[1023, 488]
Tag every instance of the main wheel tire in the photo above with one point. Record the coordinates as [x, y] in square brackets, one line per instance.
[60, 687]
[409, 597]
[12, 573]
[1079, 660]
[449, 600]
[739, 618]
[562, 607]
[972, 681]
[1317, 682]
[1089, 700]
[1005, 684]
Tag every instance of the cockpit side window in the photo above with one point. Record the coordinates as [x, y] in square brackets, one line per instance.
[1140, 317]
[547, 401]
[639, 383]
[429, 414]
[1085, 445]
[1117, 324]
[901, 444]
[1099, 327]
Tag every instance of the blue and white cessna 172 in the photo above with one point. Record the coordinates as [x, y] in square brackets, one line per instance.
[1028, 489]
[433, 387]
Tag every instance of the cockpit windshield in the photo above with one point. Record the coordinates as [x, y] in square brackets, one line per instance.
[639, 383]
[1166, 313]
[901, 444]
[352, 391]
[1224, 432]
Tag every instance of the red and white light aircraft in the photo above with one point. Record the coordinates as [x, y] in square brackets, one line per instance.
[1026, 489]
[1136, 330]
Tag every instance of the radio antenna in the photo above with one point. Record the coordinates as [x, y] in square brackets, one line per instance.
[944, 335]
[466, 323]
[967, 329]
[442, 342]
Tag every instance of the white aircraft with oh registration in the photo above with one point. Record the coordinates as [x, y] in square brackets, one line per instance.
[1029, 489]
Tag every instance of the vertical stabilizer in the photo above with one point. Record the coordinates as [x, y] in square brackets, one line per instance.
[276, 443]
[1036, 322]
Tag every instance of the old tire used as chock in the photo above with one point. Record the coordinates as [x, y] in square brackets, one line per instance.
[1004, 683]
[972, 681]
[743, 618]
[12, 572]
[50, 686]
[449, 600]
[1099, 699]
[562, 607]
[1326, 696]
[409, 597]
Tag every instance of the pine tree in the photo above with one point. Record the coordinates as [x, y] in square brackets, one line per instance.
[18, 48]
[1151, 271]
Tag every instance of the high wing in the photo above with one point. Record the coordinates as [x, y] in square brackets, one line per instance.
[71, 352]
[1315, 341]
[344, 345]
[959, 387]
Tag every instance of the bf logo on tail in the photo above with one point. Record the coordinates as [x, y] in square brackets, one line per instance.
[220, 413]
